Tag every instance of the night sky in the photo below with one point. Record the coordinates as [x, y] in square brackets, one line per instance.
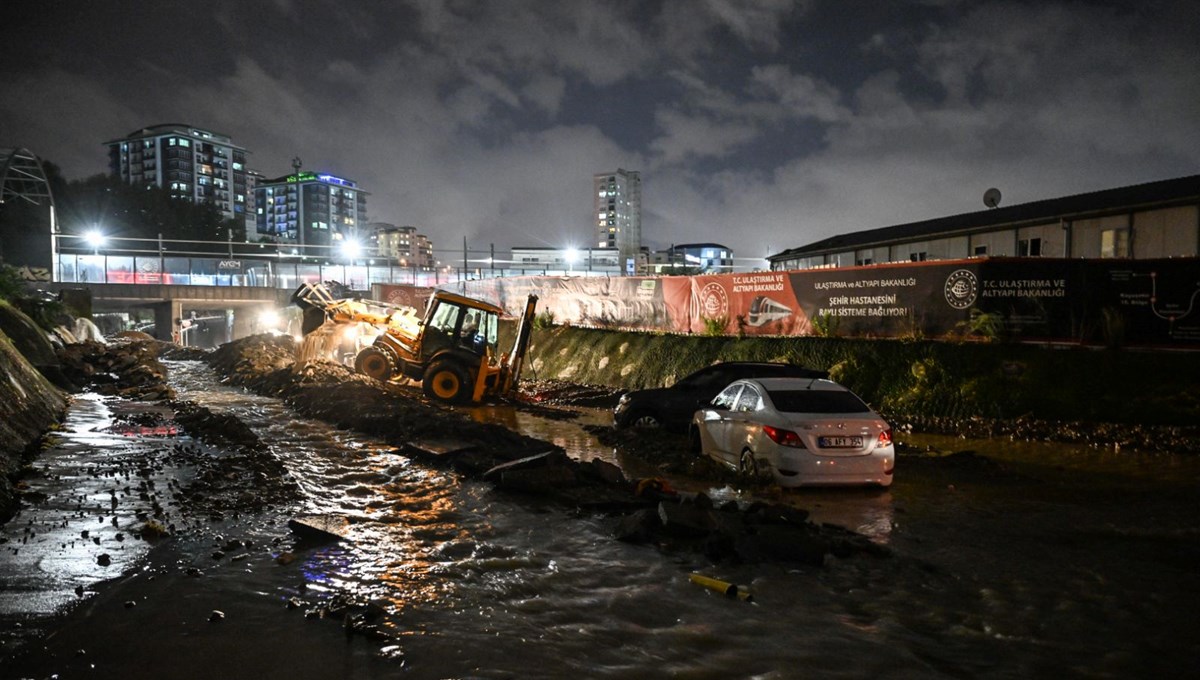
[760, 124]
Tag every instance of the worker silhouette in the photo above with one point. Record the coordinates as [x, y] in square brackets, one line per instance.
[469, 328]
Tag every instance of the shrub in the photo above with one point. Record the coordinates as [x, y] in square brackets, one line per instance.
[825, 325]
[543, 320]
[715, 327]
[983, 324]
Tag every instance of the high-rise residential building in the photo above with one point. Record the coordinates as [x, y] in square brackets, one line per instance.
[193, 164]
[309, 209]
[618, 210]
[253, 177]
[402, 244]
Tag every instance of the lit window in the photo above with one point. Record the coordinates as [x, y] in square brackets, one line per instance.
[601, 215]
[1114, 243]
[184, 142]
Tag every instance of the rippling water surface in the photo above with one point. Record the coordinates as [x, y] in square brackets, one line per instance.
[1027, 567]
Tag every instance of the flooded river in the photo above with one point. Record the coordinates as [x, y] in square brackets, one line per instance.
[1018, 561]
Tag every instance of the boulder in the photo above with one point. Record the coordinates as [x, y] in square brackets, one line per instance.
[685, 519]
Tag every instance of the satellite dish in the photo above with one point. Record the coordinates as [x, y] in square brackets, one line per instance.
[991, 197]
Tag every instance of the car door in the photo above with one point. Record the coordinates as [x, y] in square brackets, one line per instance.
[714, 422]
[741, 423]
[693, 392]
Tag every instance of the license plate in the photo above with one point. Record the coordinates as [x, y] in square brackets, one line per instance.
[840, 442]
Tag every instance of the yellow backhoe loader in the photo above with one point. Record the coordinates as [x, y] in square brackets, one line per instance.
[451, 350]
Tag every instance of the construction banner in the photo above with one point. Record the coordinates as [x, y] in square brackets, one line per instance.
[1149, 302]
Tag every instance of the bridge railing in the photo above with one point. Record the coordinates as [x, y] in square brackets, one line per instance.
[230, 263]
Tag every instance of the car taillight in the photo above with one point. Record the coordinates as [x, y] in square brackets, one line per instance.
[885, 439]
[783, 437]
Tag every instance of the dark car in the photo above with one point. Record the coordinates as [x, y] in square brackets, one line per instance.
[672, 407]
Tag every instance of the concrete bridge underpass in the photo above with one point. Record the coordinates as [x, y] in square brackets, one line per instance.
[225, 312]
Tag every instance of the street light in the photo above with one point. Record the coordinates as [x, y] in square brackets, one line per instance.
[96, 239]
[572, 256]
[351, 248]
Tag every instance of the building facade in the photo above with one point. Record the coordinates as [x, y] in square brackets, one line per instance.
[310, 209]
[691, 258]
[193, 164]
[617, 206]
[403, 245]
[566, 261]
[1144, 221]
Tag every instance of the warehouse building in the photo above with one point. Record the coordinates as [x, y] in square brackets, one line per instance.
[1144, 221]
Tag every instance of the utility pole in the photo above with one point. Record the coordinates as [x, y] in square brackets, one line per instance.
[492, 258]
[466, 270]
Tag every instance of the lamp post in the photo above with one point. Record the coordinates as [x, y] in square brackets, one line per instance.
[572, 256]
[96, 239]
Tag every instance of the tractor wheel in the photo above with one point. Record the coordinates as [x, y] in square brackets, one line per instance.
[447, 381]
[375, 363]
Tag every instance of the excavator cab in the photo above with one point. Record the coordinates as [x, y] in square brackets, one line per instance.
[451, 350]
[451, 324]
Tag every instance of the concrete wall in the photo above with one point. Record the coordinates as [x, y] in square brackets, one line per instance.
[1053, 236]
[997, 243]
[1086, 234]
[1171, 232]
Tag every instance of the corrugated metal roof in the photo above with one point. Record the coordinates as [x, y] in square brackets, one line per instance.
[1179, 190]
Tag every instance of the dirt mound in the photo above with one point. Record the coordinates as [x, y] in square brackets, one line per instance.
[127, 369]
[560, 393]
[333, 393]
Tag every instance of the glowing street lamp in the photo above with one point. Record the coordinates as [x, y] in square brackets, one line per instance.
[572, 256]
[95, 238]
[351, 248]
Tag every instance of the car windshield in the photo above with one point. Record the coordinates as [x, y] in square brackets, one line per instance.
[817, 401]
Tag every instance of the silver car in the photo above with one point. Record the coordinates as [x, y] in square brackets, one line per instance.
[796, 431]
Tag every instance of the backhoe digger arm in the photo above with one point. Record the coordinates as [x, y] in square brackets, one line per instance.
[516, 358]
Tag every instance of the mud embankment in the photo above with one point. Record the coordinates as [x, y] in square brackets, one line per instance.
[1136, 400]
[29, 403]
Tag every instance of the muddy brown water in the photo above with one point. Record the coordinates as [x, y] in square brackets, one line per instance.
[1022, 560]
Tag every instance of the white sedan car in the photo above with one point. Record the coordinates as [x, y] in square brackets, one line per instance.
[797, 431]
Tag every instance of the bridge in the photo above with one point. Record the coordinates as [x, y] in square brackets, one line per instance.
[179, 310]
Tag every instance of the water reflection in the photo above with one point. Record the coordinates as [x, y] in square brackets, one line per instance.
[995, 572]
[566, 433]
[868, 511]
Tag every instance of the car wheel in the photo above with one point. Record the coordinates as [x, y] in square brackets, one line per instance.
[374, 362]
[447, 382]
[645, 420]
[747, 466]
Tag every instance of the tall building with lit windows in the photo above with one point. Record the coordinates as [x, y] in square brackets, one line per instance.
[309, 209]
[402, 244]
[618, 210]
[194, 164]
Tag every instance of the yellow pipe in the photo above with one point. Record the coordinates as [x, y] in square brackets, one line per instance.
[724, 587]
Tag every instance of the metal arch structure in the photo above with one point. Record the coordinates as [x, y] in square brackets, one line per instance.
[22, 178]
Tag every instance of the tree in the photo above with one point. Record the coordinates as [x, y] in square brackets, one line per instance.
[124, 211]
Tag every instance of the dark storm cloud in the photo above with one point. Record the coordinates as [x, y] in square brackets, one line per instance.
[763, 124]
